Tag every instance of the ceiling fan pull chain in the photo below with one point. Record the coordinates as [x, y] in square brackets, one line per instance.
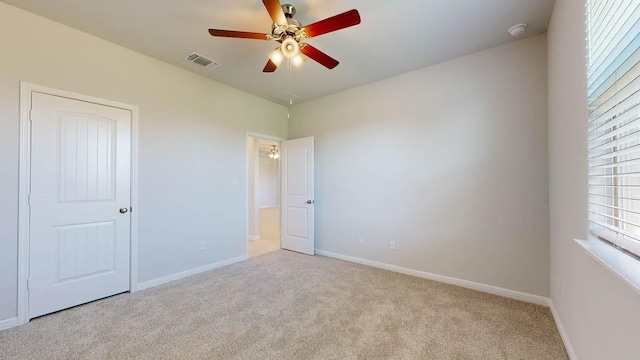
[290, 82]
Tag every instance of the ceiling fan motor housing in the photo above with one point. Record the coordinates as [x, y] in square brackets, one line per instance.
[289, 10]
[292, 29]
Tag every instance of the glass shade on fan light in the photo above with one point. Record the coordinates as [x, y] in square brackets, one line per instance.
[290, 48]
[298, 61]
[276, 56]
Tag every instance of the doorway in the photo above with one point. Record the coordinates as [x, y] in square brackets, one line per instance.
[263, 195]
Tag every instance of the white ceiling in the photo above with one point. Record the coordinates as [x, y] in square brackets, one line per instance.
[394, 37]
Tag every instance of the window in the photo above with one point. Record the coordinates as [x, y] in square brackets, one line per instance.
[613, 71]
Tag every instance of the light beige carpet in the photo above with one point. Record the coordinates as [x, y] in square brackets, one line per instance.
[284, 305]
[269, 220]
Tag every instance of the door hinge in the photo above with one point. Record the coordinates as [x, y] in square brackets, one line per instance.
[29, 199]
[28, 284]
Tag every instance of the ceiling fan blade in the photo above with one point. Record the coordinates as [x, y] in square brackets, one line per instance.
[270, 67]
[239, 34]
[341, 21]
[275, 11]
[317, 55]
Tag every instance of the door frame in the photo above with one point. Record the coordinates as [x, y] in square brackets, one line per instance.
[246, 150]
[26, 91]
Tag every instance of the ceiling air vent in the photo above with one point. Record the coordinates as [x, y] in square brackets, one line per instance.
[202, 61]
[286, 97]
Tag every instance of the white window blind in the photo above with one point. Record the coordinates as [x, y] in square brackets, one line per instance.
[613, 38]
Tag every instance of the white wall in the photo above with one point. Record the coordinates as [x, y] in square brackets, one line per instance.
[599, 312]
[192, 143]
[450, 161]
[269, 180]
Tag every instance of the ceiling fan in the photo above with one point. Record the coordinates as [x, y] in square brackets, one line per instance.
[291, 35]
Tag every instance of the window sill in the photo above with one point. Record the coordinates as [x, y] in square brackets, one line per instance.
[622, 265]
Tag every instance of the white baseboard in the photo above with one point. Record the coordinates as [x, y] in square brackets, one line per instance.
[184, 274]
[268, 206]
[512, 294]
[563, 333]
[254, 237]
[8, 323]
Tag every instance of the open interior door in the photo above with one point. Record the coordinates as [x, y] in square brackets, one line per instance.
[297, 195]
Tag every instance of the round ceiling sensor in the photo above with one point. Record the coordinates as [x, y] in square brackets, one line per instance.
[517, 30]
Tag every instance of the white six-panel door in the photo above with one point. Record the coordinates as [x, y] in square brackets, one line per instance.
[80, 194]
[297, 195]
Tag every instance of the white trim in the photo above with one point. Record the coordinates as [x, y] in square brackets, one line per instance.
[254, 237]
[268, 206]
[264, 136]
[622, 265]
[26, 89]
[23, 208]
[247, 236]
[133, 270]
[512, 294]
[563, 333]
[187, 273]
[8, 323]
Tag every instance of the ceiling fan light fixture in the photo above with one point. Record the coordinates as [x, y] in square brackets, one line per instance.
[276, 56]
[274, 154]
[298, 61]
[289, 32]
[290, 48]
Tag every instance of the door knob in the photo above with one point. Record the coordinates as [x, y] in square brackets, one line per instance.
[123, 210]
[309, 202]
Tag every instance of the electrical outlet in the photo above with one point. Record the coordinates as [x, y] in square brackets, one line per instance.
[392, 245]
[359, 239]
[203, 246]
